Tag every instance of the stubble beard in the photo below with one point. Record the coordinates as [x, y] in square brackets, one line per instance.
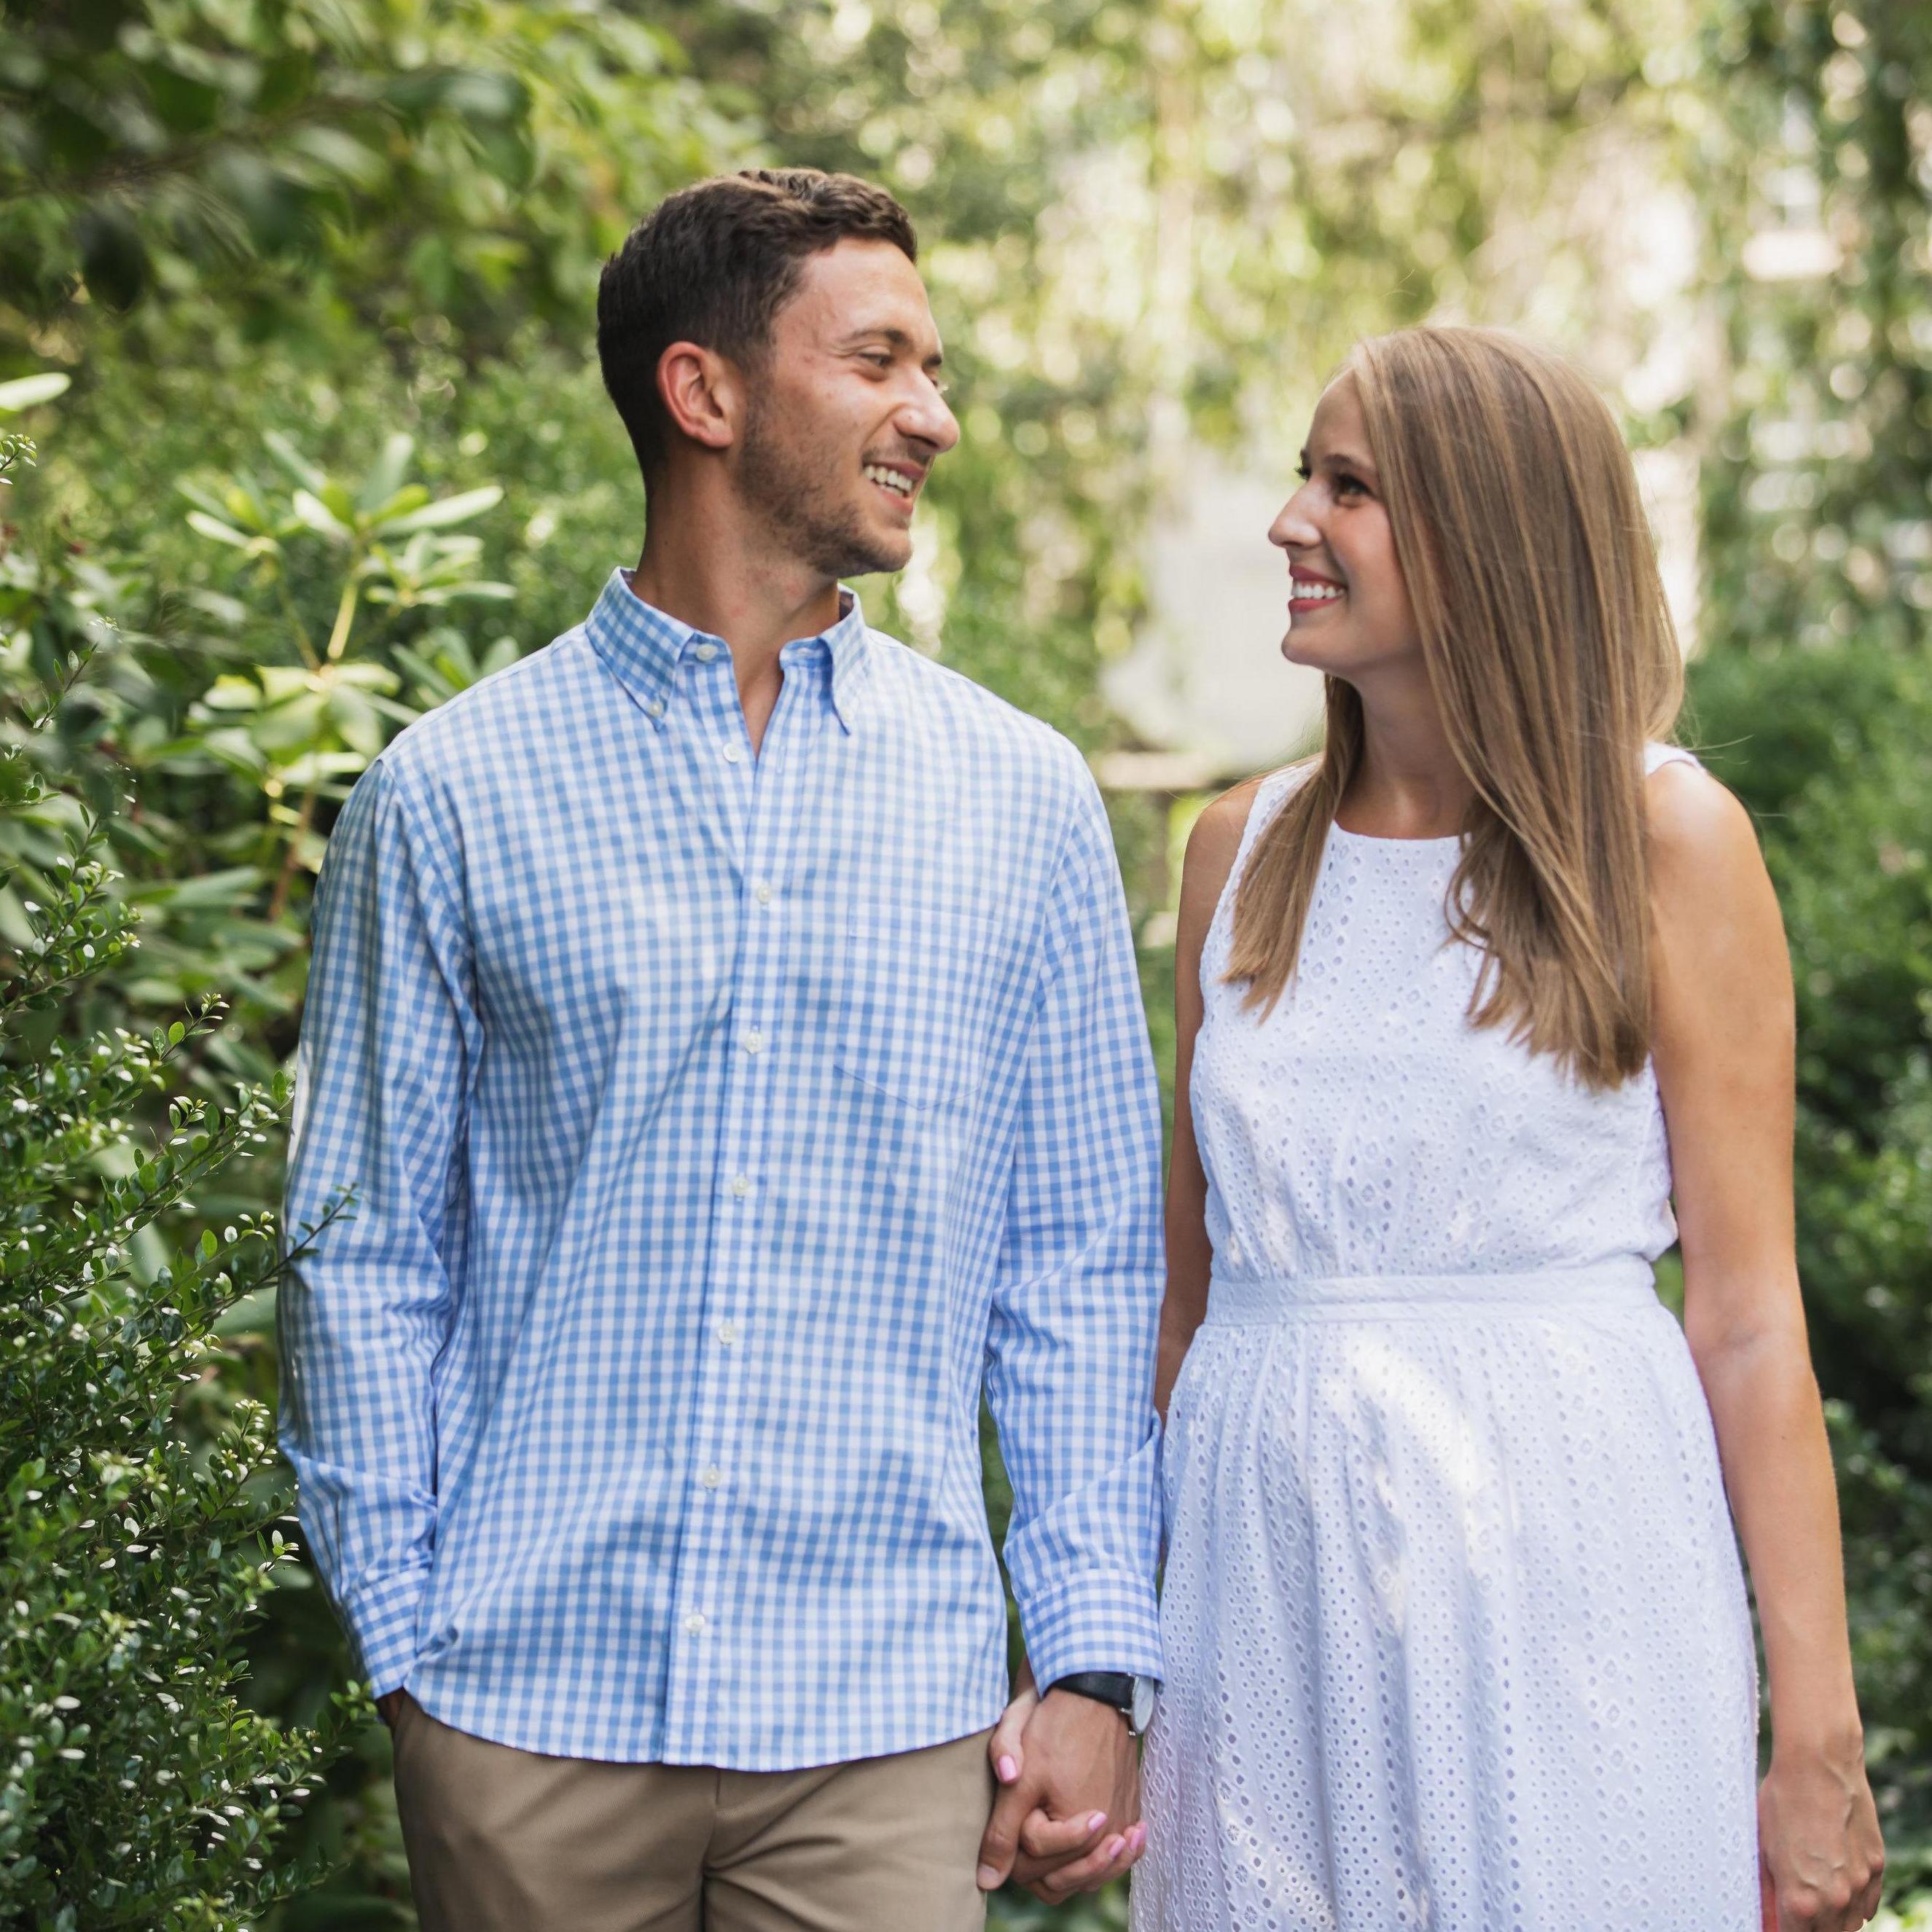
[801, 504]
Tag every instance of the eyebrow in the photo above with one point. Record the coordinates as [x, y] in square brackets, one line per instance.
[897, 337]
[1345, 458]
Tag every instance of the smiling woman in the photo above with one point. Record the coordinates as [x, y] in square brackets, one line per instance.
[1544, 678]
[1455, 1629]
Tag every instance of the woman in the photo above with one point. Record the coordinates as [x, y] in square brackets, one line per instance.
[1455, 1630]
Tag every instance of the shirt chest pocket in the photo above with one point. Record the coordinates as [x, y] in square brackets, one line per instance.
[923, 993]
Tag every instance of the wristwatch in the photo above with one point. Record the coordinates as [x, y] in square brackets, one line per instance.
[1133, 1697]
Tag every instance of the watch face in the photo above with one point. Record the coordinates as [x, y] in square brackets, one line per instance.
[1144, 1692]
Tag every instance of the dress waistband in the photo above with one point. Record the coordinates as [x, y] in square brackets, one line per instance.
[1546, 1293]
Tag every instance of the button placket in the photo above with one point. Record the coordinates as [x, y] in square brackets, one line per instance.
[731, 1285]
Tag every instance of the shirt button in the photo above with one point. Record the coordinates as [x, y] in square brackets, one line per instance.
[741, 1185]
[655, 707]
[728, 1333]
[712, 1476]
[762, 892]
[705, 653]
[754, 1041]
[732, 754]
[694, 1623]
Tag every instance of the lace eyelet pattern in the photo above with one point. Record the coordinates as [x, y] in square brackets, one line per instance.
[1456, 1631]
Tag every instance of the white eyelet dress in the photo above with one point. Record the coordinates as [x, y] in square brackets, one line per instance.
[1455, 1626]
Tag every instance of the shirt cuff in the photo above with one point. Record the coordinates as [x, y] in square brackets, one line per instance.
[1095, 1622]
[382, 1622]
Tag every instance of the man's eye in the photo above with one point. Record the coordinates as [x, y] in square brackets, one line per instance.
[878, 359]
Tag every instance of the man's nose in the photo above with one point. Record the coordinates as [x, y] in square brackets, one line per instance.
[927, 419]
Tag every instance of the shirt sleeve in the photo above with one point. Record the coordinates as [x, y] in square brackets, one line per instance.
[1076, 1302]
[389, 1038]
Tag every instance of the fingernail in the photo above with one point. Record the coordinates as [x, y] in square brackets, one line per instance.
[1008, 1770]
[989, 1879]
[1099, 1819]
[1138, 1836]
[1115, 1847]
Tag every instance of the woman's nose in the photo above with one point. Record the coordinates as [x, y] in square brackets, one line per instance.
[1295, 529]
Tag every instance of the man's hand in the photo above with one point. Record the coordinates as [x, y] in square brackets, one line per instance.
[388, 1704]
[1069, 1819]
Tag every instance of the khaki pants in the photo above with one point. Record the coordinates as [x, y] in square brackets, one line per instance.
[503, 1840]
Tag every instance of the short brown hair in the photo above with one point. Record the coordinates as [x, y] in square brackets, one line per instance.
[713, 264]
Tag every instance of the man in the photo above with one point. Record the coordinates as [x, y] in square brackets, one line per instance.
[728, 1021]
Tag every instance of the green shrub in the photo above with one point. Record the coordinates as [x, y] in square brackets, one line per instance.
[1831, 749]
[137, 1499]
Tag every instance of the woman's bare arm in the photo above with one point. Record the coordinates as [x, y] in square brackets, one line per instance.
[1723, 1042]
[1211, 847]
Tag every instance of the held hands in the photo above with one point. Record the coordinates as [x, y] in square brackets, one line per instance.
[1067, 1817]
[1822, 1857]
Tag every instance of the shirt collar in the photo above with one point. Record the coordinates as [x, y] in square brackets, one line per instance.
[643, 646]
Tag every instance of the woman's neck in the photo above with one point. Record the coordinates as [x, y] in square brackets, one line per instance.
[1407, 783]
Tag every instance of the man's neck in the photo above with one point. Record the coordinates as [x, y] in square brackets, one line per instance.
[695, 568]
[727, 583]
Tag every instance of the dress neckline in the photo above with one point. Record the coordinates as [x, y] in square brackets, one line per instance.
[1375, 838]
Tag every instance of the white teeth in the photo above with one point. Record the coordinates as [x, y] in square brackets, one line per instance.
[891, 478]
[1320, 593]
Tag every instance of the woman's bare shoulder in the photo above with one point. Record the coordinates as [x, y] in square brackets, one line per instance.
[1717, 914]
[1212, 848]
[1217, 831]
[1700, 833]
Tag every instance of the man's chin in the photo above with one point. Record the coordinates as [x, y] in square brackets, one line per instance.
[877, 556]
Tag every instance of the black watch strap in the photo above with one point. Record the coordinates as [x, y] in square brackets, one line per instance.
[1114, 1688]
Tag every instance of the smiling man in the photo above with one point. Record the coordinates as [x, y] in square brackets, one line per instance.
[728, 1020]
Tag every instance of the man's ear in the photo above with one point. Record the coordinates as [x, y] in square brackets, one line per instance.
[703, 394]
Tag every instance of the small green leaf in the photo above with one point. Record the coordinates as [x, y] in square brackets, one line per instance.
[219, 532]
[24, 391]
[384, 478]
[285, 452]
[449, 510]
[311, 510]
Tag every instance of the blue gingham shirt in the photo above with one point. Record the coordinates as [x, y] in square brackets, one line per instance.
[719, 1124]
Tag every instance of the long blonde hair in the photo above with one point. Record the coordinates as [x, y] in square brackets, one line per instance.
[1550, 650]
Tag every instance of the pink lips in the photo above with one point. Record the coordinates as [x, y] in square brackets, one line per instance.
[1298, 577]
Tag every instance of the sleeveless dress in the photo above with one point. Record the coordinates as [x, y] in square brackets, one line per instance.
[1455, 1626]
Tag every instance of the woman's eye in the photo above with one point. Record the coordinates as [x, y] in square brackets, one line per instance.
[1346, 484]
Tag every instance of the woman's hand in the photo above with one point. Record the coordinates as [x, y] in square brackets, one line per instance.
[1822, 1857]
[1052, 1859]
[1002, 1747]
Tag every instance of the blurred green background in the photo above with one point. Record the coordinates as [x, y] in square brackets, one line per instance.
[321, 274]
